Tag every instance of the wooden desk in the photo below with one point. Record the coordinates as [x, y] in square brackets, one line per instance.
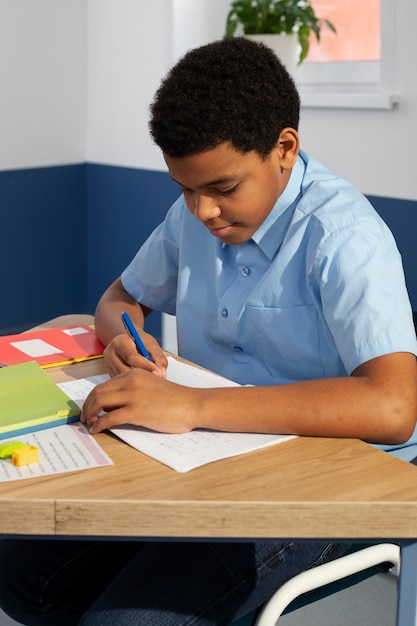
[306, 488]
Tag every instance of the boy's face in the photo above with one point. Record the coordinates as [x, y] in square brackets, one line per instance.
[229, 191]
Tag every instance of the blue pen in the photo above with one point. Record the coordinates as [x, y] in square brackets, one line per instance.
[131, 330]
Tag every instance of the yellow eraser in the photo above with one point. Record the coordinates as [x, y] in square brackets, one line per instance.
[23, 456]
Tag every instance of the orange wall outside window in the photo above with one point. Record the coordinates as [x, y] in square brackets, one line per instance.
[358, 31]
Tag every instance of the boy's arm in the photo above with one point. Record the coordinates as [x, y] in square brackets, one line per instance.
[121, 354]
[378, 403]
[113, 302]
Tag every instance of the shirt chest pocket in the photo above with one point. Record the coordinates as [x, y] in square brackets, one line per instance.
[285, 340]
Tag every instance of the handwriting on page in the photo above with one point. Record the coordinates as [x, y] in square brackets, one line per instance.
[199, 447]
[188, 450]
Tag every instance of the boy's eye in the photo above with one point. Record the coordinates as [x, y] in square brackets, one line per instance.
[227, 192]
[220, 192]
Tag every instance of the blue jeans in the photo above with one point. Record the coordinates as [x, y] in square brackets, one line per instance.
[105, 583]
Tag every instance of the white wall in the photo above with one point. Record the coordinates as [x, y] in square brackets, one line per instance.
[77, 77]
[129, 51]
[374, 149]
[132, 44]
[42, 78]
[55, 110]
[196, 23]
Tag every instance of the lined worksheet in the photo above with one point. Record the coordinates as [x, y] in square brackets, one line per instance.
[66, 448]
[185, 451]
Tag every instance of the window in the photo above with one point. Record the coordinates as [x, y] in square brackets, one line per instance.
[358, 31]
[354, 68]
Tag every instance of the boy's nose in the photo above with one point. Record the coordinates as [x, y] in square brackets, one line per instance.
[206, 208]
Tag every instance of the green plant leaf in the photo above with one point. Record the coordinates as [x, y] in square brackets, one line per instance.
[231, 25]
[277, 16]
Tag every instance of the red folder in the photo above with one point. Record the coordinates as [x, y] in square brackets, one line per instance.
[55, 346]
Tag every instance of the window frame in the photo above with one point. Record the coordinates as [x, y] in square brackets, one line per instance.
[369, 85]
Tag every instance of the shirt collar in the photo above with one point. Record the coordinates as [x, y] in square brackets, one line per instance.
[271, 232]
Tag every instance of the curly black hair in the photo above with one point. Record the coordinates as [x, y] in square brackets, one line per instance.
[234, 90]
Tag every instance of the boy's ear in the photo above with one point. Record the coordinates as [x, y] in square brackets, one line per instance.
[288, 146]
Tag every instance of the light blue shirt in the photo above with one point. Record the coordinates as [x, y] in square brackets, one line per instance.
[318, 290]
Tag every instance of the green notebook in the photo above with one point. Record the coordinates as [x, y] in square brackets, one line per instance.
[30, 401]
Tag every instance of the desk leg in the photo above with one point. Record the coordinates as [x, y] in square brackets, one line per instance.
[407, 585]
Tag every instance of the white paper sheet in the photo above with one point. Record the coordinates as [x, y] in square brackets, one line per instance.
[35, 347]
[62, 449]
[188, 450]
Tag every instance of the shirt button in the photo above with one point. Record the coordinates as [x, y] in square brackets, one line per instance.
[237, 349]
[245, 271]
[225, 312]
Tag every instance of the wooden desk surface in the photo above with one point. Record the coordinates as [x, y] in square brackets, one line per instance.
[303, 488]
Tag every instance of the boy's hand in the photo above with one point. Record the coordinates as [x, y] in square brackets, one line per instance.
[136, 397]
[121, 355]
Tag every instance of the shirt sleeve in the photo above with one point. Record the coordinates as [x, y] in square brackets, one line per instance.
[151, 277]
[363, 293]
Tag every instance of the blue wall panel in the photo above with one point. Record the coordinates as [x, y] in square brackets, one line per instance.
[401, 217]
[67, 232]
[42, 245]
[124, 206]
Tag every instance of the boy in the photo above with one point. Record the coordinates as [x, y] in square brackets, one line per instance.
[281, 275]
